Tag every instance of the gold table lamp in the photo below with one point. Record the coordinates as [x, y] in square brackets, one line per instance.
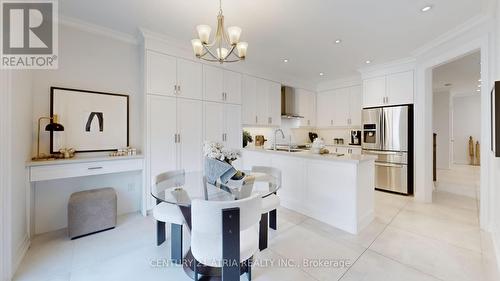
[53, 126]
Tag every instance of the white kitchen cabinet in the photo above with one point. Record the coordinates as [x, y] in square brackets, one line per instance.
[261, 102]
[293, 181]
[161, 74]
[249, 101]
[392, 89]
[251, 159]
[374, 92]
[355, 106]
[305, 102]
[274, 98]
[324, 112]
[233, 131]
[174, 134]
[340, 107]
[189, 79]
[223, 123]
[400, 88]
[221, 85]
[170, 76]
[162, 134]
[262, 105]
[213, 81]
[190, 130]
[214, 121]
[232, 87]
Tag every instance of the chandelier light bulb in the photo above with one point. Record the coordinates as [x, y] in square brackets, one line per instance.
[242, 49]
[234, 33]
[204, 32]
[222, 53]
[197, 47]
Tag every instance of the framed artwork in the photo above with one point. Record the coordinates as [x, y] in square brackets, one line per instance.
[93, 121]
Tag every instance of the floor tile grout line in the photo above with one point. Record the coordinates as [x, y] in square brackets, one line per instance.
[366, 249]
[406, 265]
[299, 268]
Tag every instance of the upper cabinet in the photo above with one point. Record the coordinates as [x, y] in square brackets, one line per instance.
[161, 74]
[339, 108]
[221, 85]
[392, 89]
[306, 107]
[261, 102]
[170, 76]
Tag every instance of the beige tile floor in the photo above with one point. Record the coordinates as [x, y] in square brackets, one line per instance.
[406, 241]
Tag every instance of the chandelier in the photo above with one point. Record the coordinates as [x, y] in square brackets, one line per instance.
[222, 48]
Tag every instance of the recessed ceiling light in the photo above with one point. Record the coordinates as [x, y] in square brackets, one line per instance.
[285, 60]
[338, 41]
[479, 80]
[479, 86]
[321, 74]
[478, 90]
[426, 8]
[368, 61]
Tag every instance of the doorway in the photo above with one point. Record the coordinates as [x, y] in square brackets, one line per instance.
[456, 123]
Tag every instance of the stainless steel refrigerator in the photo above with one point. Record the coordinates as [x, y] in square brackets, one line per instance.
[388, 134]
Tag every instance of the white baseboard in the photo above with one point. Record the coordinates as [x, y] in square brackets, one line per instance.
[21, 250]
[495, 237]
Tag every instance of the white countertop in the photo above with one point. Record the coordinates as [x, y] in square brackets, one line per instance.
[82, 158]
[344, 145]
[353, 158]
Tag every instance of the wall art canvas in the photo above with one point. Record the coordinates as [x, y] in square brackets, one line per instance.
[93, 121]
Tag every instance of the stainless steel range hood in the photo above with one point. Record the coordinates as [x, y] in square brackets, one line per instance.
[289, 106]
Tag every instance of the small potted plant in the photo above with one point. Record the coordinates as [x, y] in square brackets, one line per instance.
[246, 138]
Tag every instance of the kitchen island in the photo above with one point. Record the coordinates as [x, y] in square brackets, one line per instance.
[336, 190]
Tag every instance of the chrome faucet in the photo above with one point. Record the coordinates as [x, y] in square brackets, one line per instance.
[275, 139]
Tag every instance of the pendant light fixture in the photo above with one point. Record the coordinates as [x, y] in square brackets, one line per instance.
[224, 45]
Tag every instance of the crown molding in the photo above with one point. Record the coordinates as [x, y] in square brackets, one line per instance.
[474, 22]
[339, 83]
[97, 29]
[390, 67]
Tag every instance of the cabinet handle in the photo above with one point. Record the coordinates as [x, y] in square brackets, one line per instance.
[94, 168]
[175, 90]
[178, 138]
[308, 122]
[178, 89]
[225, 96]
[256, 119]
[387, 99]
[222, 95]
[331, 122]
[270, 120]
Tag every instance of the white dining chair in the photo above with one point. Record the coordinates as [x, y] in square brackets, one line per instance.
[269, 205]
[225, 234]
[169, 213]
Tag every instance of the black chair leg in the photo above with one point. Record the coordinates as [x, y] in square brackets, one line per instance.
[249, 268]
[263, 232]
[176, 243]
[195, 269]
[160, 233]
[273, 222]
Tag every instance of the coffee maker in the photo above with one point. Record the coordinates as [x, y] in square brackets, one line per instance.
[355, 137]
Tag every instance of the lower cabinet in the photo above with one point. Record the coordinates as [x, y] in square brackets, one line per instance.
[293, 177]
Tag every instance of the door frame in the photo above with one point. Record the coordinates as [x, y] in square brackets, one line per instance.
[5, 177]
[423, 126]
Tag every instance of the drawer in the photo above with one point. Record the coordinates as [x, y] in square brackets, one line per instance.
[71, 170]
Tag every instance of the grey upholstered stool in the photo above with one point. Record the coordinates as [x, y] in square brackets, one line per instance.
[91, 211]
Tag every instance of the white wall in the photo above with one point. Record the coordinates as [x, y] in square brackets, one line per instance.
[441, 125]
[21, 116]
[466, 122]
[95, 62]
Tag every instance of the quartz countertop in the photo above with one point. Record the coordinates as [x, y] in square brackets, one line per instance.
[353, 158]
[80, 158]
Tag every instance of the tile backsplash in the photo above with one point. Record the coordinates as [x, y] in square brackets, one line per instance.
[297, 135]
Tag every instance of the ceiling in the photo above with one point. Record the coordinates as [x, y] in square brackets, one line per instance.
[303, 31]
[463, 75]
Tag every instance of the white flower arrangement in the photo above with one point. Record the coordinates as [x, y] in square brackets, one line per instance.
[216, 150]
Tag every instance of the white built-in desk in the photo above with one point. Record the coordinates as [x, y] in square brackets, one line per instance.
[81, 166]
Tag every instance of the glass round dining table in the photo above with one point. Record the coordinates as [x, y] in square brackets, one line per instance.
[183, 188]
